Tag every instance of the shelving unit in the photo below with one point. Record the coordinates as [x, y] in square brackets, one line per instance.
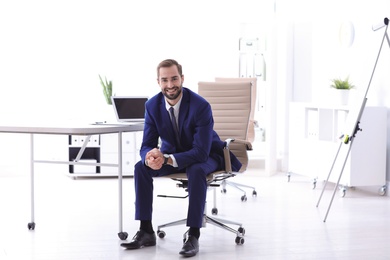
[104, 149]
[315, 133]
[91, 153]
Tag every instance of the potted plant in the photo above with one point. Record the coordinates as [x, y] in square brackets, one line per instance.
[342, 86]
[107, 89]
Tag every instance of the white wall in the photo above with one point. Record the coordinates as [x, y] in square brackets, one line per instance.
[316, 35]
[53, 51]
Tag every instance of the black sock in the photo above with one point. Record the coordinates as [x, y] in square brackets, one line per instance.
[194, 232]
[146, 225]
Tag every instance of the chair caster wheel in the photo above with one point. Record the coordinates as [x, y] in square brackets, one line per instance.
[241, 230]
[240, 240]
[254, 193]
[160, 234]
[383, 190]
[31, 226]
[214, 211]
[243, 198]
[122, 235]
[223, 190]
[342, 192]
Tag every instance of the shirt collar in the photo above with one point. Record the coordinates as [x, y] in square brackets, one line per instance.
[176, 106]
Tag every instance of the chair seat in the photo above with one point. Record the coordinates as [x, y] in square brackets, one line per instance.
[182, 176]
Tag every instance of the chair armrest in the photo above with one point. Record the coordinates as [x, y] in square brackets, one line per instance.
[226, 151]
[239, 141]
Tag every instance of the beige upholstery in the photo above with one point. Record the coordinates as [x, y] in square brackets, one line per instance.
[252, 121]
[231, 107]
[250, 134]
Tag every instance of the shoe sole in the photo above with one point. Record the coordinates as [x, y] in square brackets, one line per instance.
[188, 255]
[142, 246]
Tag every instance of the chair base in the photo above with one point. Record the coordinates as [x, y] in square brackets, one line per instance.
[238, 186]
[221, 223]
[218, 222]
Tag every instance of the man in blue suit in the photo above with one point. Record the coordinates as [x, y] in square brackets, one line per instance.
[183, 121]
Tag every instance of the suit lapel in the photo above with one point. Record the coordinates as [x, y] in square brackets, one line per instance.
[184, 107]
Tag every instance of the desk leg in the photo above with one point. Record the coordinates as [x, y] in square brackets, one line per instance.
[31, 225]
[122, 235]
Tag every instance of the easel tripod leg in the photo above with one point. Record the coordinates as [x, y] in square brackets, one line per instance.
[338, 181]
[330, 171]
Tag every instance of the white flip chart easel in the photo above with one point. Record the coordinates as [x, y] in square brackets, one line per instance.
[352, 124]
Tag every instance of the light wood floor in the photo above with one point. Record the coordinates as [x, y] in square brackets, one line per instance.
[78, 219]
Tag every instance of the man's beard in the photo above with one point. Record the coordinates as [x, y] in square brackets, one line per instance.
[173, 97]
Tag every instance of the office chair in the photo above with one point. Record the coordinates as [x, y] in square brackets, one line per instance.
[252, 122]
[250, 135]
[231, 106]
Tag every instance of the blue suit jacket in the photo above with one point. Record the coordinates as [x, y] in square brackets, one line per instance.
[197, 137]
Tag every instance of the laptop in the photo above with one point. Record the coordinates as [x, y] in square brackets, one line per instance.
[129, 109]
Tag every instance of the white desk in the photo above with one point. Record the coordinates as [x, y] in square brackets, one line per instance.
[69, 128]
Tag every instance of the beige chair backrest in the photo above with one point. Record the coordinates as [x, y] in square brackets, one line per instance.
[231, 105]
[252, 121]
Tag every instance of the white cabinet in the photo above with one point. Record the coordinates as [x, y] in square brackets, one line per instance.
[314, 133]
[91, 154]
[104, 149]
[131, 143]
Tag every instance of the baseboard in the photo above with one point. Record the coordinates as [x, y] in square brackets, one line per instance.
[259, 164]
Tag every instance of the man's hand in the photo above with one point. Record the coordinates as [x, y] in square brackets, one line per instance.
[154, 159]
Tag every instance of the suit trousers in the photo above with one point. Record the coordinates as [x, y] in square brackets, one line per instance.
[197, 189]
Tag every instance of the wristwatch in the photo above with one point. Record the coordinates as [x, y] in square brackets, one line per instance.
[166, 157]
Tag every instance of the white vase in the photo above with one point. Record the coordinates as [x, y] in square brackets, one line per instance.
[340, 96]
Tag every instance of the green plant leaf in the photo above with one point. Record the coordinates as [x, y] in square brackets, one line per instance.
[107, 89]
[341, 84]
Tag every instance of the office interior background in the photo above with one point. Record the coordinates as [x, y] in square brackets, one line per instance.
[51, 56]
[52, 53]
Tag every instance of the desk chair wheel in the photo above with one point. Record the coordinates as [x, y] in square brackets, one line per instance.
[31, 226]
[241, 230]
[122, 235]
[254, 193]
[214, 211]
[383, 190]
[342, 191]
[314, 183]
[160, 234]
[240, 240]
[223, 190]
[243, 198]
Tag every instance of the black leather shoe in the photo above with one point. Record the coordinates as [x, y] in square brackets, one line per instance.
[141, 239]
[190, 247]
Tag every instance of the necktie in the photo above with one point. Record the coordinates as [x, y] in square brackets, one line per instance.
[174, 124]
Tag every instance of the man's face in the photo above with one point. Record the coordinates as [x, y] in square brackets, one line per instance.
[170, 83]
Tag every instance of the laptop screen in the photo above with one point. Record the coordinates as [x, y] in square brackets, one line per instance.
[129, 109]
